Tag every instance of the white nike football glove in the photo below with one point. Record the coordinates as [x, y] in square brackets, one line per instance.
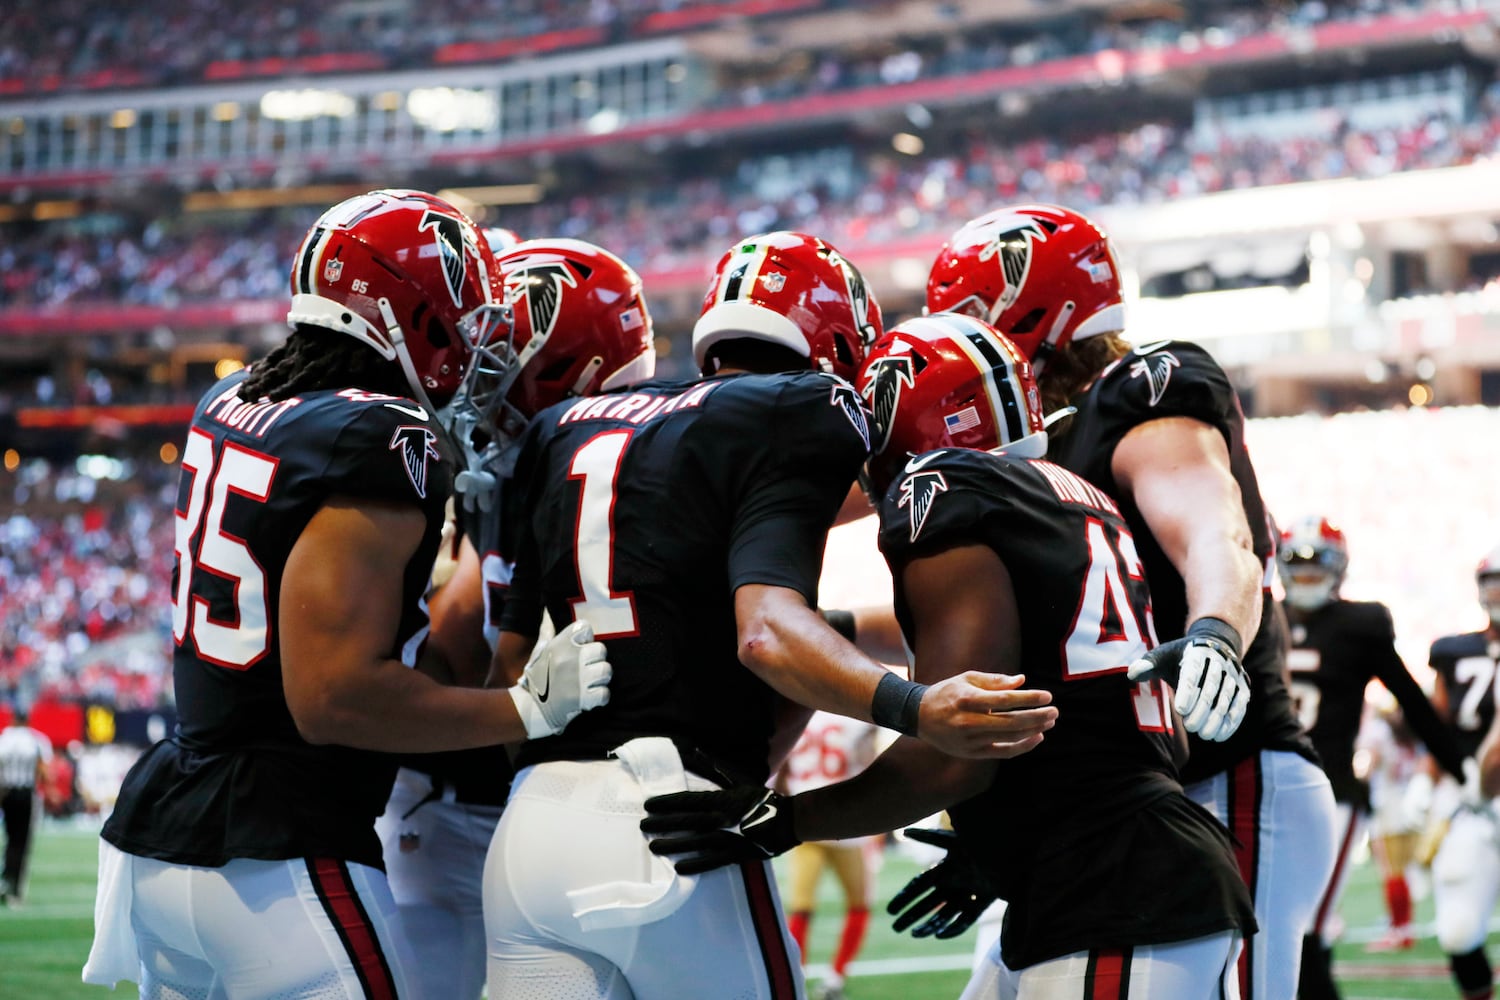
[567, 675]
[1213, 690]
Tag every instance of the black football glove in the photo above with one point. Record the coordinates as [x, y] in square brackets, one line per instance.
[709, 830]
[1213, 690]
[954, 891]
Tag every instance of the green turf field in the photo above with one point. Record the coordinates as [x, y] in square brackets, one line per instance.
[43, 943]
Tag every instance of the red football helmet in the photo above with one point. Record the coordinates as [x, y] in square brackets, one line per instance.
[948, 381]
[580, 326]
[1312, 557]
[794, 290]
[1042, 274]
[500, 239]
[406, 273]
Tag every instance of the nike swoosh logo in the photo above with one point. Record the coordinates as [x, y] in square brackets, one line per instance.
[916, 464]
[418, 412]
[542, 694]
[1155, 345]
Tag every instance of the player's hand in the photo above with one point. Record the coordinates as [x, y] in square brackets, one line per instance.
[1213, 690]
[708, 830]
[567, 675]
[977, 714]
[951, 894]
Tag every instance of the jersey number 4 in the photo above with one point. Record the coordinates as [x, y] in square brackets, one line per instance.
[597, 465]
[1108, 632]
[239, 643]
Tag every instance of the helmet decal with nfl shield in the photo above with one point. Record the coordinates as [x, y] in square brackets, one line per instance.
[407, 274]
[1312, 557]
[1042, 274]
[793, 290]
[948, 381]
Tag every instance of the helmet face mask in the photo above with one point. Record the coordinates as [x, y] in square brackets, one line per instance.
[1311, 559]
[1487, 578]
[795, 291]
[580, 326]
[1041, 274]
[947, 380]
[407, 274]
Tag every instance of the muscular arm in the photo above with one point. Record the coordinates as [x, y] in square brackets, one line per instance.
[963, 605]
[1418, 711]
[340, 607]
[1176, 472]
[457, 611]
[790, 647]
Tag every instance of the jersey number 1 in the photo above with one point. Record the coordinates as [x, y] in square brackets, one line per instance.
[597, 464]
[240, 643]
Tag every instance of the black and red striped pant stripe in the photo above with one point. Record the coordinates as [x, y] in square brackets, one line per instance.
[340, 899]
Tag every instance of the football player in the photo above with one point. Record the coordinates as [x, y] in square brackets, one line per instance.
[1158, 427]
[1466, 869]
[581, 325]
[1338, 647]
[686, 522]
[1119, 885]
[241, 858]
[832, 748]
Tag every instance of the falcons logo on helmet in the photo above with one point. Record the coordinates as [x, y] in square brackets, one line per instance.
[888, 376]
[1012, 244]
[541, 285]
[918, 492]
[1158, 371]
[846, 399]
[448, 233]
[416, 445]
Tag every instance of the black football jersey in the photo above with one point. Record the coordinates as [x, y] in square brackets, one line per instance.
[236, 780]
[1467, 665]
[644, 511]
[1180, 379]
[480, 776]
[1110, 763]
[1336, 651]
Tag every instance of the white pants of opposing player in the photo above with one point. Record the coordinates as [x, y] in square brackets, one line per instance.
[1200, 969]
[1465, 879]
[434, 862]
[1280, 809]
[251, 930]
[577, 908]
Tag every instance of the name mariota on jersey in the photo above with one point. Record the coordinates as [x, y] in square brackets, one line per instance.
[638, 407]
[252, 418]
[1074, 489]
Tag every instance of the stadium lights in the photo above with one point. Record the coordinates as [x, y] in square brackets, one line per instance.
[1420, 394]
[123, 118]
[12, 460]
[495, 194]
[447, 109]
[250, 198]
[227, 366]
[905, 142]
[226, 111]
[305, 105]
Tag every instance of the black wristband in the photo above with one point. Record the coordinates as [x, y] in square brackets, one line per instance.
[841, 622]
[897, 704]
[1216, 628]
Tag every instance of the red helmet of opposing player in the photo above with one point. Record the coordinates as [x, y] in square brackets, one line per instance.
[580, 326]
[793, 290]
[948, 381]
[406, 273]
[1042, 274]
[1311, 558]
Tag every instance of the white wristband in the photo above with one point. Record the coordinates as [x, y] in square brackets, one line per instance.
[531, 714]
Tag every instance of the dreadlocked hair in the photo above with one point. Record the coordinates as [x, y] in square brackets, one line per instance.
[312, 358]
[1070, 370]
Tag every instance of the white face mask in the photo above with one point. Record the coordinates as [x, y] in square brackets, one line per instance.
[1307, 590]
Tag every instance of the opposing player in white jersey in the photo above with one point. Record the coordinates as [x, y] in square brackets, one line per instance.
[832, 748]
[581, 325]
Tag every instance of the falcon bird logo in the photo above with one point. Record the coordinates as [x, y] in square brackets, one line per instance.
[448, 234]
[889, 375]
[1012, 244]
[416, 445]
[918, 492]
[541, 285]
[1158, 371]
[846, 399]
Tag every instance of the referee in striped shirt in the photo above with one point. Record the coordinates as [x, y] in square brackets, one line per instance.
[24, 753]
